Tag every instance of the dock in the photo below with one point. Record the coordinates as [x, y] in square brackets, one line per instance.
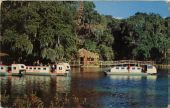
[112, 63]
[163, 66]
[109, 63]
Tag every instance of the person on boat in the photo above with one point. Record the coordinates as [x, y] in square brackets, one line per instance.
[53, 68]
[38, 63]
[128, 68]
[143, 68]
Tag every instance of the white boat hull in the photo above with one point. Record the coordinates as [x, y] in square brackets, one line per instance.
[134, 70]
[126, 73]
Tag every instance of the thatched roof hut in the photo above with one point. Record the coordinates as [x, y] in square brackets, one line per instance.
[85, 53]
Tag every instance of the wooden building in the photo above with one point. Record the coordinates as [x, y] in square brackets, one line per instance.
[88, 58]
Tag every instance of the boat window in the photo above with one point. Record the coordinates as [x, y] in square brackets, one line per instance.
[60, 68]
[67, 66]
[26, 67]
[22, 66]
[150, 67]
[44, 68]
[39, 68]
[124, 65]
[30, 68]
[2, 68]
[117, 67]
[133, 68]
[34, 68]
[138, 68]
[122, 68]
[14, 68]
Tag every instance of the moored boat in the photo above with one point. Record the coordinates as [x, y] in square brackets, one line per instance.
[37, 70]
[4, 70]
[13, 69]
[21, 69]
[132, 68]
[67, 67]
[56, 69]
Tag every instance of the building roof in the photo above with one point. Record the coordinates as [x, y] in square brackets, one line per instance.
[85, 53]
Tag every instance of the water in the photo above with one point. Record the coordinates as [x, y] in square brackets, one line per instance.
[90, 87]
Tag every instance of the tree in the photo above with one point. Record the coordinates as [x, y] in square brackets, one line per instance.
[140, 36]
[41, 30]
[106, 52]
[52, 31]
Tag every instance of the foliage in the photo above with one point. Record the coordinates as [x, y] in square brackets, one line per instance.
[40, 29]
[107, 52]
[52, 31]
[142, 36]
[90, 45]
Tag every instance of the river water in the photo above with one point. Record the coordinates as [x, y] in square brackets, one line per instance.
[86, 87]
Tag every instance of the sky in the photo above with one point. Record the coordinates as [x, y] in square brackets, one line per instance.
[124, 9]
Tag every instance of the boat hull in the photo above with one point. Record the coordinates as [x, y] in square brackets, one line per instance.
[11, 74]
[46, 74]
[126, 73]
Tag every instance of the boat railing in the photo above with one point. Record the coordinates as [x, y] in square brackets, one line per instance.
[134, 62]
[101, 63]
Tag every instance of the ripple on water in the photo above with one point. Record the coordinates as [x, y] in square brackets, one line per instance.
[98, 90]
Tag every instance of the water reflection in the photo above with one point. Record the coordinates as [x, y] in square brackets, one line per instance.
[92, 88]
[45, 83]
[86, 69]
[45, 87]
[132, 77]
[135, 91]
